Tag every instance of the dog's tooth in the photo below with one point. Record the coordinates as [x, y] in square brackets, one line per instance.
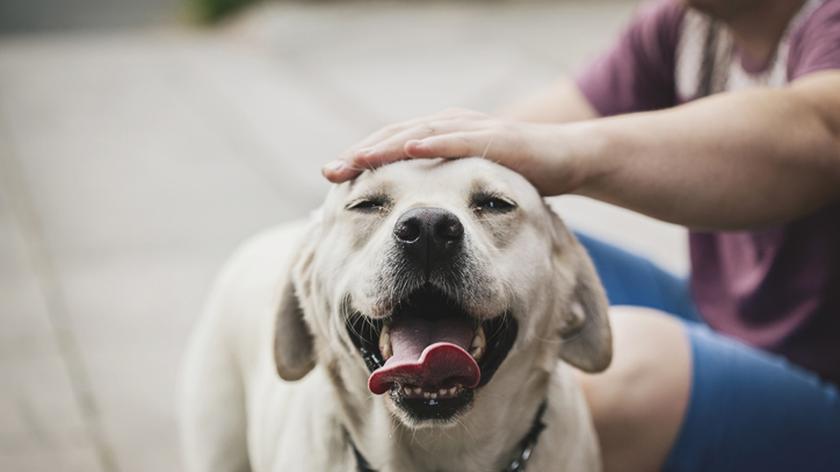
[385, 342]
[406, 391]
[452, 390]
[426, 394]
[418, 390]
[442, 391]
[478, 343]
[433, 395]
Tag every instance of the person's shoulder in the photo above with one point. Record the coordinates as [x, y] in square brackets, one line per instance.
[815, 16]
[815, 38]
[657, 23]
[665, 13]
[662, 7]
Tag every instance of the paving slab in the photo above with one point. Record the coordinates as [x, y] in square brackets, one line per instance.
[43, 421]
[397, 60]
[50, 458]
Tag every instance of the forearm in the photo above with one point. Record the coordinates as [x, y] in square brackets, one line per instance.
[738, 160]
[561, 102]
[731, 161]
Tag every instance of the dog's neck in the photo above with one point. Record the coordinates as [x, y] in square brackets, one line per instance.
[519, 460]
[487, 437]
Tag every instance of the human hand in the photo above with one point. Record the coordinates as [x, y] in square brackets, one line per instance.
[541, 153]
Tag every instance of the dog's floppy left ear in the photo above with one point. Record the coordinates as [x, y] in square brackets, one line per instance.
[585, 330]
[294, 347]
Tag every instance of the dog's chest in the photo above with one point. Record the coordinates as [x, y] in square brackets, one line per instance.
[291, 426]
[294, 426]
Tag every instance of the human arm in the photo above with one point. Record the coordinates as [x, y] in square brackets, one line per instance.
[732, 161]
[736, 160]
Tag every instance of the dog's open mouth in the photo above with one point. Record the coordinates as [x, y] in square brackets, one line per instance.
[431, 354]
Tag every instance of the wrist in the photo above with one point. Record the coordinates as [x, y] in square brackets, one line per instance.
[594, 153]
[577, 158]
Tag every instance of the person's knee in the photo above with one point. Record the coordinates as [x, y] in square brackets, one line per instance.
[651, 360]
[638, 403]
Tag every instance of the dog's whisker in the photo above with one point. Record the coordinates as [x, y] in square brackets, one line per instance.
[487, 148]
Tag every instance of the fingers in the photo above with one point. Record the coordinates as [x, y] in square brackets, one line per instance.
[387, 145]
[452, 145]
[393, 148]
[339, 170]
[391, 130]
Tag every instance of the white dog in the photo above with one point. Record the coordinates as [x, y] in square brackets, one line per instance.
[415, 324]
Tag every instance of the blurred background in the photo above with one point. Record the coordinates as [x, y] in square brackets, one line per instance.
[140, 140]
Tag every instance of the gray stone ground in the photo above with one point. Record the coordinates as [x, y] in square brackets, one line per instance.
[132, 163]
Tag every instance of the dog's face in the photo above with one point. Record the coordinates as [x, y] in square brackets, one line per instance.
[421, 280]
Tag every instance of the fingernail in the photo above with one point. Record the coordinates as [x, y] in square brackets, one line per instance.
[334, 166]
[364, 151]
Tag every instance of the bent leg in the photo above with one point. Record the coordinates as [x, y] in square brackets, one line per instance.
[680, 397]
[752, 410]
[638, 403]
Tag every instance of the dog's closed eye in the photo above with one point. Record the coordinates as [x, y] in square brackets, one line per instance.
[369, 204]
[483, 202]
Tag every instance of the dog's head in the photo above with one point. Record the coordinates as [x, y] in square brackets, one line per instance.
[424, 279]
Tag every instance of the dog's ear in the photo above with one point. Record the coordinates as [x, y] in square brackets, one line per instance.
[585, 328]
[294, 348]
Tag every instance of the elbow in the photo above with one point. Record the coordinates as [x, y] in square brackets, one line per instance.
[816, 101]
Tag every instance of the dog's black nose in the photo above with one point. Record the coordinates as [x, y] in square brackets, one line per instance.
[429, 236]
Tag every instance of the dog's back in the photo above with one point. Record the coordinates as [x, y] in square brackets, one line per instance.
[227, 351]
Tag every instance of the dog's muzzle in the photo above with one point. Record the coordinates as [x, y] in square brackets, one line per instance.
[431, 351]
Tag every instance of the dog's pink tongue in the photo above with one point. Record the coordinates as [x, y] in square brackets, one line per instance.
[428, 353]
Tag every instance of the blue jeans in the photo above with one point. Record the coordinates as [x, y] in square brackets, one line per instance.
[749, 410]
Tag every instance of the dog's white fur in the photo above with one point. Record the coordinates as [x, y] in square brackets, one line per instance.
[277, 308]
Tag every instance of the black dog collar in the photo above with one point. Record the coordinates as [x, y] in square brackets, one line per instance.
[525, 450]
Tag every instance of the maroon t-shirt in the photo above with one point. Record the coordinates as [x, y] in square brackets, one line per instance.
[774, 288]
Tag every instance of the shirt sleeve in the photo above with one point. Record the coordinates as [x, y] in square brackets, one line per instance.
[815, 45]
[637, 74]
